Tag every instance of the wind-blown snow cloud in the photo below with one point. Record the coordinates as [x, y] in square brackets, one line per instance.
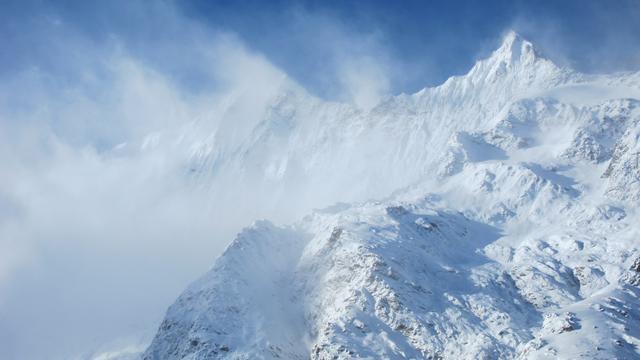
[100, 226]
[359, 61]
[98, 235]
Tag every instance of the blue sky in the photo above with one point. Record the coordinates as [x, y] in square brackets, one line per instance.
[419, 43]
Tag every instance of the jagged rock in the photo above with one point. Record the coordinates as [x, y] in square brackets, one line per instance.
[560, 323]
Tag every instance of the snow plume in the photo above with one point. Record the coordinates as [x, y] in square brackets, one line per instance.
[359, 62]
[365, 82]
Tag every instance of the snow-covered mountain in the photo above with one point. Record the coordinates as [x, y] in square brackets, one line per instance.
[505, 225]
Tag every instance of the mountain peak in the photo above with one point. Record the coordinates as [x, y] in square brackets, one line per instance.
[518, 57]
[515, 48]
[511, 37]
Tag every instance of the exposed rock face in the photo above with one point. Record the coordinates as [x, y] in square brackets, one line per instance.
[623, 172]
[633, 276]
[516, 239]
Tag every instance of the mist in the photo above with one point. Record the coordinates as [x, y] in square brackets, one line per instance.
[102, 223]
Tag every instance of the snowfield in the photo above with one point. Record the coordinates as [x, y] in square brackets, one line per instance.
[505, 224]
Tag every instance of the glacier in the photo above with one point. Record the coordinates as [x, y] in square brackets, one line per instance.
[492, 217]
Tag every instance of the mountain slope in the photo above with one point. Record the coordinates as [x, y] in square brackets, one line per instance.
[507, 225]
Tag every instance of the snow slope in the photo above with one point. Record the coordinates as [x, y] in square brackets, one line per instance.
[506, 225]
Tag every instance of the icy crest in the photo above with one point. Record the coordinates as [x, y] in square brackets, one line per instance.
[515, 49]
